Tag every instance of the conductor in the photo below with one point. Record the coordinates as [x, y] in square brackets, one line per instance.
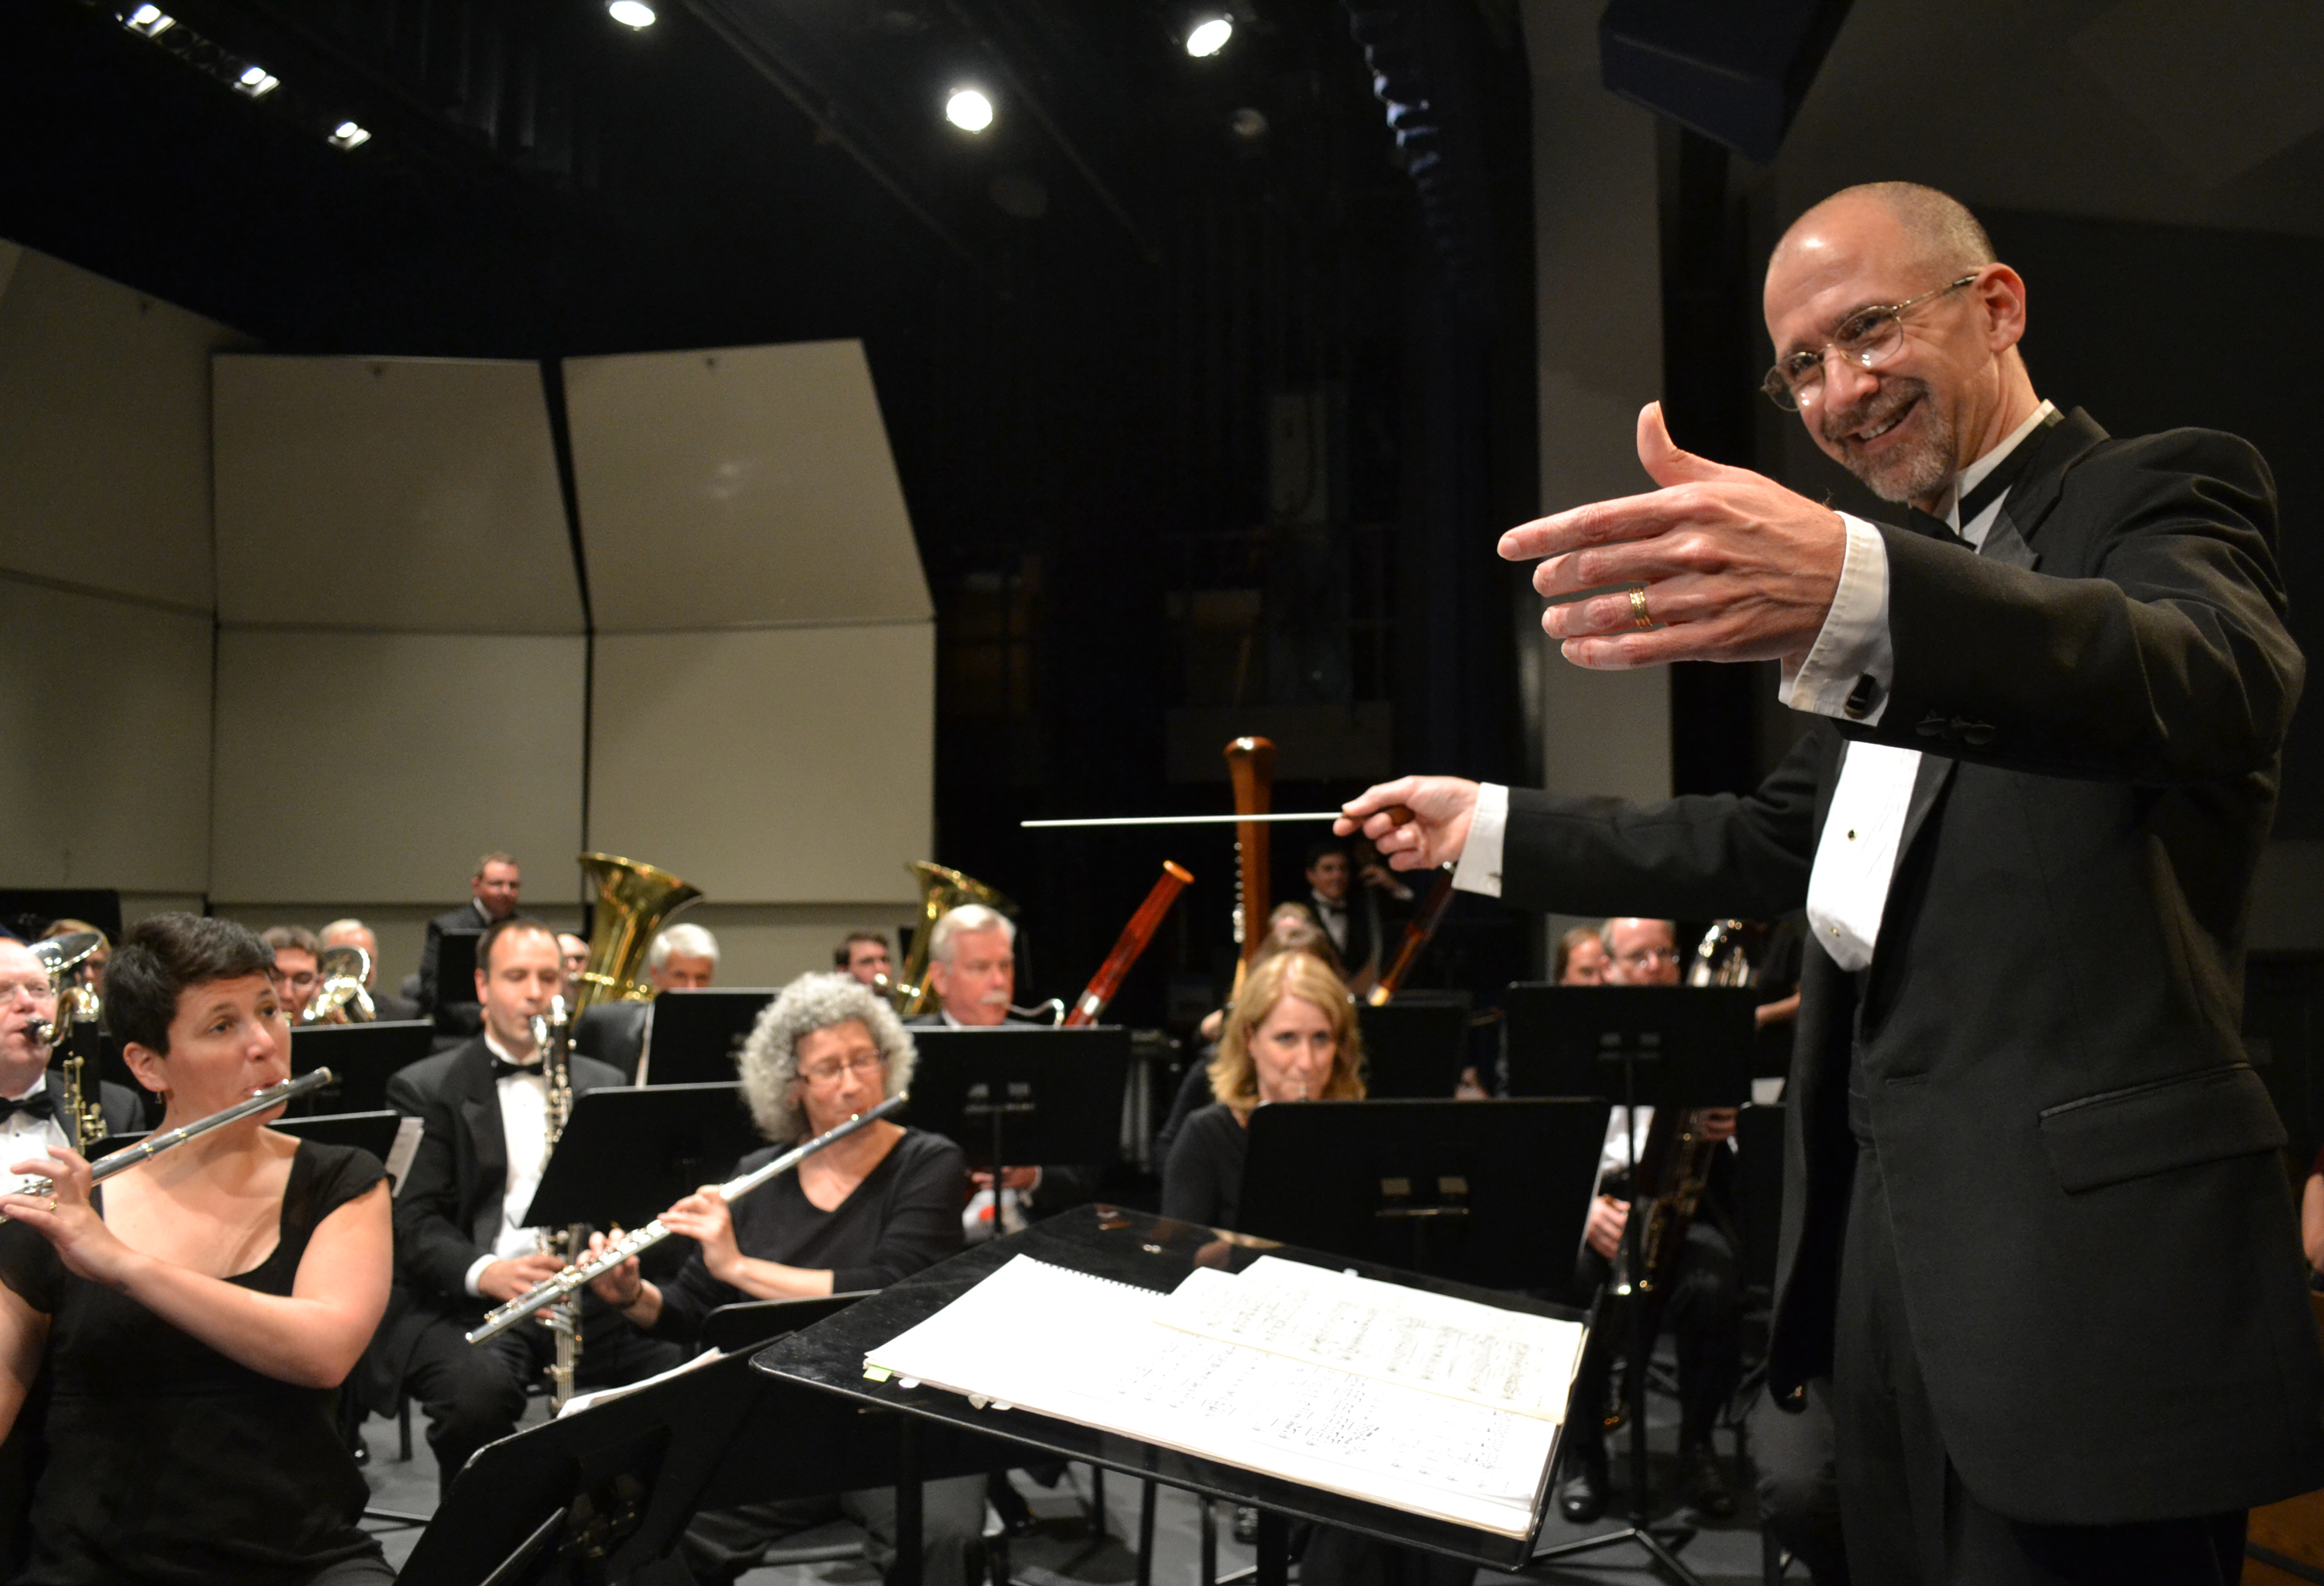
[2035, 1230]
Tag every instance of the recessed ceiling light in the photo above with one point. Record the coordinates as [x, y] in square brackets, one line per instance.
[969, 110]
[630, 14]
[1209, 36]
[348, 136]
[148, 20]
[256, 81]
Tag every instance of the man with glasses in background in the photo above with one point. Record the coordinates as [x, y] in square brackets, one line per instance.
[1705, 1313]
[2036, 1233]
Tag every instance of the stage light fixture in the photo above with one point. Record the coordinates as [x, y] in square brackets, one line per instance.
[149, 20]
[969, 110]
[630, 14]
[256, 81]
[1209, 36]
[348, 136]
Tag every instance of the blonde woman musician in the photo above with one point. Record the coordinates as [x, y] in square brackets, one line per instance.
[199, 1312]
[1290, 1036]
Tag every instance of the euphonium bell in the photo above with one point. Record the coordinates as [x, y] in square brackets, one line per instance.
[341, 998]
[633, 902]
[942, 891]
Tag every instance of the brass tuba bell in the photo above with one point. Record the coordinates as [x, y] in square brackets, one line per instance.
[633, 902]
[341, 997]
[942, 891]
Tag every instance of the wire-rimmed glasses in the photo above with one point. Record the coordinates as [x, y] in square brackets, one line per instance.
[1866, 338]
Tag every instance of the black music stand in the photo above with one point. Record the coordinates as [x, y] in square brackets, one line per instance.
[1022, 1093]
[695, 1038]
[1139, 1248]
[1415, 1047]
[456, 982]
[1493, 1194]
[362, 1055]
[627, 1154]
[1639, 1046]
[606, 1493]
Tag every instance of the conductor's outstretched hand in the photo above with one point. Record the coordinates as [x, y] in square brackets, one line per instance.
[1440, 806]
[1736, 567]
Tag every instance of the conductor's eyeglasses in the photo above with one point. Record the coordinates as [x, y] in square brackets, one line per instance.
[1866, 338]
[824, 1074]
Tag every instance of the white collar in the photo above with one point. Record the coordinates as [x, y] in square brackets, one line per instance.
[1978, 472]
[40, 1083]
[505, 1056]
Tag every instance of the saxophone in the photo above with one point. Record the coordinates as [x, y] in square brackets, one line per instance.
[71, 1035]
[1675, 1165]
[552, 1037]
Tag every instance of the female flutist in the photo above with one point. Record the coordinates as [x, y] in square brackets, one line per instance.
[197, 1311]
[878, 1205]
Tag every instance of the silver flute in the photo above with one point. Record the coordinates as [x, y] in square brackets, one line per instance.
[548, 1291]
[153, 1145]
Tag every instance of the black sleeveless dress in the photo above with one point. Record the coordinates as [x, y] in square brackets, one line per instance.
[169, 1462]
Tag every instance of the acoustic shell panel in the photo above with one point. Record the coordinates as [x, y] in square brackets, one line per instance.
[378, 765]
[400, 495]
[105, 433]
[105, 705]
[793, 765]
[741, 487]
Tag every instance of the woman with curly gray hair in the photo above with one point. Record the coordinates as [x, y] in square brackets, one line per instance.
[859, 1214]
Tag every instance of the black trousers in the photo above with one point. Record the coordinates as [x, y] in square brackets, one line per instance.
[1706, 1317]
[1799, 1482]
[1908, 1518]
[474, 1394]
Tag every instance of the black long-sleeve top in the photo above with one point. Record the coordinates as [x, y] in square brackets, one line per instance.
[904, 1216]
[1202, 1180]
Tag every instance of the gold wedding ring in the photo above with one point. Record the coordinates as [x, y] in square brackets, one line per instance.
[1638, 612]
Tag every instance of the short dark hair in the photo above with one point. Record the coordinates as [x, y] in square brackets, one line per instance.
[502, 927]
[1325, 845]
[846, 948]
[298, 938]
[161, 958]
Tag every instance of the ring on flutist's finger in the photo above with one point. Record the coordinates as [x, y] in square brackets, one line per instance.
[1638, 612]
[52, 1203]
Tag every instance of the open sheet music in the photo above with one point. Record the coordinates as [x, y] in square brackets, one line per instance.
[1392, 1396]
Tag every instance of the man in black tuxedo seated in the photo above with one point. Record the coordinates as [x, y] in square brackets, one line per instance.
[493, 892]
[2036, 1235]
[34, 1115]
[1346, 903]
[352, 932]
[683, 958]
[458, 1248]
[973, 971]
[1705, 1309]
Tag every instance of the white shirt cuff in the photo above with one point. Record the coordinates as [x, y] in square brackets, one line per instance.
[476, 1270]
[1848, 670]
[1480, 869]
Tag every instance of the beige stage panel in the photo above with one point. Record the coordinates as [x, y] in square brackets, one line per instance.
[105, 706]
[738, 487]
[401, 494]
[378, 765]
[105, 433]
[785, 766]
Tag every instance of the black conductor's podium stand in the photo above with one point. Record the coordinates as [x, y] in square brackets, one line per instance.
[1490, 1193]
[1149, 1252]
[1022, 1093]
[604, 1493]
[628, 1154]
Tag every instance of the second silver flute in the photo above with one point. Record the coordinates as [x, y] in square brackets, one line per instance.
[580, 1274]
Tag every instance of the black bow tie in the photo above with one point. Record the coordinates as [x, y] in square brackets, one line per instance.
[503, 1068]
[39, 1104]
[2006, 473]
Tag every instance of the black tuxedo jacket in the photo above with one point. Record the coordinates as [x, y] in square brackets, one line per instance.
[447, 1212]
[459, 1002]
[615, 1034]
[2099, 1256]
[123, 1108]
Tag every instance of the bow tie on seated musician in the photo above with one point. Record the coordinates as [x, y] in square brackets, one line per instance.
[353, 933]
[483, 1144]
[873, 1207]
[32, 1096]
[298, 965]
[682, 958]
[864, 956]
[495, 891]
[973, 971]
[197, 1312]
[1346, 898]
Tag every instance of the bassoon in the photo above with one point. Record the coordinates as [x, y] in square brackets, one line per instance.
[1251, 767]
[1134, 937]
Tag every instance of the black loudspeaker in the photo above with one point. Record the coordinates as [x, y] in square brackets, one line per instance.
[1734, 71]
